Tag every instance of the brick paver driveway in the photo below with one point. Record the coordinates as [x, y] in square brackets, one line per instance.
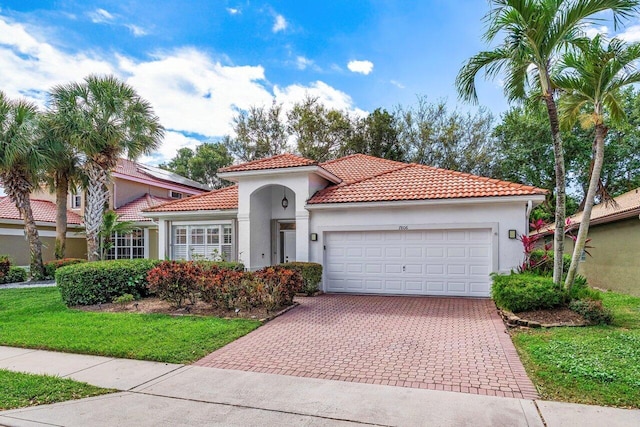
[454, 344]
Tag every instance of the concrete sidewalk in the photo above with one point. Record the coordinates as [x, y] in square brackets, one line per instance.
[165, 394]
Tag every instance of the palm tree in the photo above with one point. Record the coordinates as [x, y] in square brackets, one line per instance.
[104, 120]
[20, 163]
[592, 79]
[62, 175]
[535, 33]
[111, 224]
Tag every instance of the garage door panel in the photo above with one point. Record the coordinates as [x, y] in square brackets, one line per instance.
[413, 262]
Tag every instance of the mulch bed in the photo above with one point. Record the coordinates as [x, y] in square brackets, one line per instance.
[559, 316]
[156, 305]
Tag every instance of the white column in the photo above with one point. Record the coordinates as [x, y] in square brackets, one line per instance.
[302, 235]
[145, 236]
[162, 239]
[244, 240]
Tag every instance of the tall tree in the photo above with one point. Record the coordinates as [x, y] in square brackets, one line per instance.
[203, 164]
[62, 174]
[534, 33]
[433, 135]
[320, 132]
[259, 132]
[376, 135]
[20, 163]
[104, 119]
[592, 78]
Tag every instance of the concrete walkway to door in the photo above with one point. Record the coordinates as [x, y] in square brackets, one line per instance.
[450, 344]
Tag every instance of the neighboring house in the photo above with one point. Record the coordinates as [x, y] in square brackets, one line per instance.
[134, 187]
[377, 226]
[614, 231]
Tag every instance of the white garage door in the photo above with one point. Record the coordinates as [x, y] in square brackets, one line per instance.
[415, 262]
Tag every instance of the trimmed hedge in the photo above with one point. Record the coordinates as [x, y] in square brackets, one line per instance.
[50, 267]
[311, 272]
[525, 292]
[228, 265]
[102, 281]
[16, 275]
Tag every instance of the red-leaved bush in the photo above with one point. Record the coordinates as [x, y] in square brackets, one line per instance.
[229, 289]
[175, 281]
[277, 286]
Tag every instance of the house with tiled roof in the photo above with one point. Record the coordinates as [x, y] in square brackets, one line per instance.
[134, 187]
[614, 253]
[377, 226]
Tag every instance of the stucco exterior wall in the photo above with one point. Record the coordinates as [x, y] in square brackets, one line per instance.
[153, 243]
[128, 191]
[500, 217]
[14, 244]
[615, 257]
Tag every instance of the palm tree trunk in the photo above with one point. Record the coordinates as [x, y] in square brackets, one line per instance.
[62, 189]
[583, 231]
[97, 197]
[561, 197]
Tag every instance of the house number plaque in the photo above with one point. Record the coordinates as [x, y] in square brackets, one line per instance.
[403, 227]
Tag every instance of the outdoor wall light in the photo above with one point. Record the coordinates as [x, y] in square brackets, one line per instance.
[513, 234]
[285, 202]
[314, 237]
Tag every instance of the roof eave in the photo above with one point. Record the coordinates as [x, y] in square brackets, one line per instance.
[197, 213]
[535, 198]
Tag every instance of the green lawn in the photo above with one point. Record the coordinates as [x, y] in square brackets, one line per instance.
[37, 318]
[20, 390]
[594, 365]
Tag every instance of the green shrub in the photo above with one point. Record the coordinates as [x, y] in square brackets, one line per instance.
[229, 265]
[592, 310]
[581, 290]
[175, 281]
[50, 267]
[16, 275]
[102, 281]
[311, 273]
[124, 299]
[5, 265]
[543, 262]
[524, 292]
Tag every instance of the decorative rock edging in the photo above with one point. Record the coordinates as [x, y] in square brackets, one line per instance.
[513, 321]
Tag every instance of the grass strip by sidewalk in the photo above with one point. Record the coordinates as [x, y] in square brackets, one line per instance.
[37, 318]
[19, 390]
[597, 365]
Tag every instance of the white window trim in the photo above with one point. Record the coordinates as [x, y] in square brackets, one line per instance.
[205, 225]
[145, 246]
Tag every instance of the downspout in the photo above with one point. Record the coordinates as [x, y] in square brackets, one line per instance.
[528, 220]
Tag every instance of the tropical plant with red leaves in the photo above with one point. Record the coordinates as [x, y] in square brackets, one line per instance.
[175, 281]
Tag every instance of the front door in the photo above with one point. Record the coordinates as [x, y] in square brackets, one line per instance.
[287, 246]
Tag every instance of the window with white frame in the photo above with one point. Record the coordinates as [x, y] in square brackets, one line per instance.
[76, 201]
[193, 242]
[127, 246]
[175, 194]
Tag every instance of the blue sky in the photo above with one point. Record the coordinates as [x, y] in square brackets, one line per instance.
[199, 61]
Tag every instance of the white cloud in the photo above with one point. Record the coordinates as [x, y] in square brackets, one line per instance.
[100, 16]
[195, 96]
[233, 11]
[302, 62]
[397, 84]
[362, 67]
[136, 31]
[280, 24]
[594, 31]
[631, 34]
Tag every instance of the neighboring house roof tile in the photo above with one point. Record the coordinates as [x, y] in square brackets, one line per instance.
[43, 211]
[131, 211]
[140, 171]
[222, 199]
[359, 166]
[624, 206]
[419, 182]
[276, 162]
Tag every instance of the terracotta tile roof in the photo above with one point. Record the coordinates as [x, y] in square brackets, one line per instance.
[138, 170]
[224, 198]
[359, 166]
[43, 211]
[419, 182]
[626, 205]
[276, 162]
[131, 211]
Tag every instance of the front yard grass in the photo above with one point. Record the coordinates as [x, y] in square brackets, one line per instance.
[597, 365]
[20, 390]
[37, 318]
